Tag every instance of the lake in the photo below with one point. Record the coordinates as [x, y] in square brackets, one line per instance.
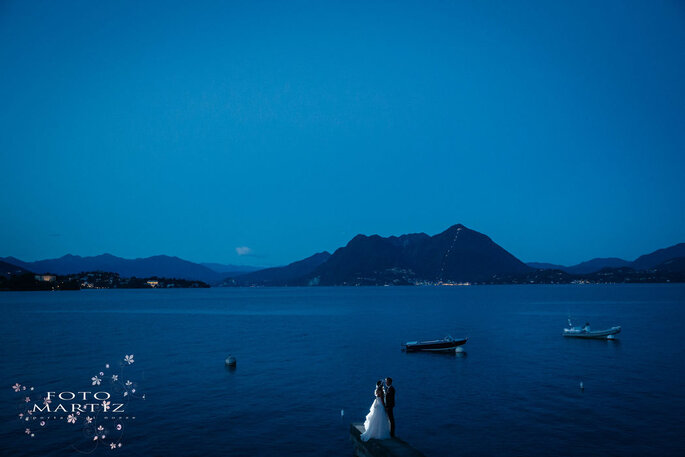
[306, 354]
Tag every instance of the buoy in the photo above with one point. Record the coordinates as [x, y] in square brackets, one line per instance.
[230, 361]
[581, 386]
[342, 412]
[459, 349]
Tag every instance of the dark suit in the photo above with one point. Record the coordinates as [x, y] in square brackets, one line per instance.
[389, 405]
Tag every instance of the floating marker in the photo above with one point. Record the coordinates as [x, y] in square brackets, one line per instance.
[581, 386]
[342, 412]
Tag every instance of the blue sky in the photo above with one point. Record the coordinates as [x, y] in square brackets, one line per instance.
[286, 128]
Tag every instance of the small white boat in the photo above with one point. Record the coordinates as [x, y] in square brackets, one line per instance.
[585, 332]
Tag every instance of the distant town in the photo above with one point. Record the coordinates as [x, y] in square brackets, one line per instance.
[108, 280]
[91, 280]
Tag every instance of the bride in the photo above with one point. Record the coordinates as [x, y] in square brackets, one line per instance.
[377, 424]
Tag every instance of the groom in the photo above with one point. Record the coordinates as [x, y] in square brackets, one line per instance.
[390, 404]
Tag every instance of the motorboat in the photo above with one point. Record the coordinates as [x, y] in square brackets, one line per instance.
[447, 344]
[586, 332]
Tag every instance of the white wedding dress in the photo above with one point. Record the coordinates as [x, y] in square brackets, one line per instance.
[377, 424]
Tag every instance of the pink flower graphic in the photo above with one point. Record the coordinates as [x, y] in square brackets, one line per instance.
[72, 418]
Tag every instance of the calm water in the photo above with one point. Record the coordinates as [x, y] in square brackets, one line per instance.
[306, 354]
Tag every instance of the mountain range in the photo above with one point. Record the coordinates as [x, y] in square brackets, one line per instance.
[456, 255]
[228, 269]
[162, 266]
[644, 262]
[9, 269]
[280, 276]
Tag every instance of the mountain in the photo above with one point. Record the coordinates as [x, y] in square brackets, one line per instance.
[14, 261]
[676, 265]
[546, 266]
[160, 265]
[230, 269]
[456, 255]
[280, 276]
[9, 269]
[644, 262]
[590, 266]
[647, 261]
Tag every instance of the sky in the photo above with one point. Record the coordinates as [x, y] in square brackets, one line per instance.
[262, 132]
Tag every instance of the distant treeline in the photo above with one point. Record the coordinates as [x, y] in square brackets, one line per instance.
[91, 280]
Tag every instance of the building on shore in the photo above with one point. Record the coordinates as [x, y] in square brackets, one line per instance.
[46, 278]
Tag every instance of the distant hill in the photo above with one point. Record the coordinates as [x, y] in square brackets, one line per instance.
[280, 276]
[9, 269]
[597, 264]
[671, 271]
[456, 255]
[644, 262]
[676, 265]
[589, 266]
[658, 257]
[546, 266]
[230, 269]
[160, 266]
